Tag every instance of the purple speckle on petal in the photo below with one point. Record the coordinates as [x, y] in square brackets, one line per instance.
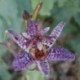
[22, 60]
[60, 54]
[33, 27]
[44, 67]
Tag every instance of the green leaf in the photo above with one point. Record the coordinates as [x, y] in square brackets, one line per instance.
[62, 14]
[2, 50]
[75, 43]
[3, 72]
[69, 28]
[34, 75]
[8, 11]
[3, 27]
[77, 18]
[61, 3]
[23, 5]
[70, 9]
[8, 8]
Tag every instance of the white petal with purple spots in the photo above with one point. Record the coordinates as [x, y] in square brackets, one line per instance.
[33, 27]
[54, 35]
[60, 54]
[19, 39]
[44, 67]
[22, 61]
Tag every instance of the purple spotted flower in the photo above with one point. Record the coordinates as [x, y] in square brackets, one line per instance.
[37, 47]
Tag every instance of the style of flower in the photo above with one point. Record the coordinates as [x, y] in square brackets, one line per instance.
[37, 47]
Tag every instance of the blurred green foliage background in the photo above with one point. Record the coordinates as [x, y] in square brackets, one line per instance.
[52, 12]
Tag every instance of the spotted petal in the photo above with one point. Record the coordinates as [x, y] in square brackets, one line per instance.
[22, 61]
[60, 54]
[19, 39]
[43, 67]
[54, 35]
[33, 27]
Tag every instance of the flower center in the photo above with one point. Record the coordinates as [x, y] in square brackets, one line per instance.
[38, 54]
[38, 37]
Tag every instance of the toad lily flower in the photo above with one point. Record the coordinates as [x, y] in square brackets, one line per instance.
[37, 47]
